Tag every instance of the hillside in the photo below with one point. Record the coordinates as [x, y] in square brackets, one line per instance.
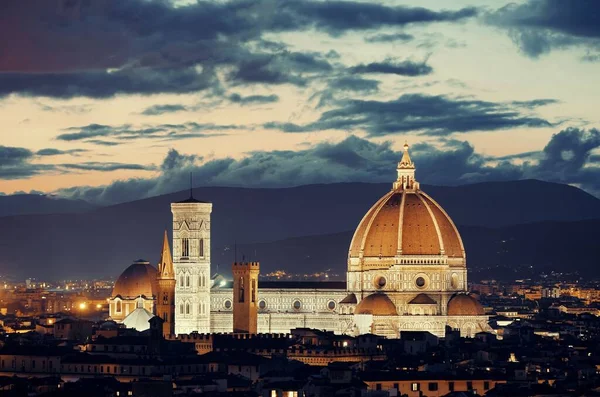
[104, 241]
[22, 204]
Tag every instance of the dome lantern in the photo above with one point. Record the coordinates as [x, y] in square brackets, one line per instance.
[406, 172]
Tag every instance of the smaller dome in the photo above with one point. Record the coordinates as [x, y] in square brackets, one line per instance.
[138, 319]
[138, 279]
[377, 305]
[464, 305]
[109, 325]
[422, 299]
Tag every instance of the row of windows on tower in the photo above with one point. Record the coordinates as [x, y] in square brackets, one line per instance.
[185, 281]
[186, 245]
[187, 308]
[242, 290]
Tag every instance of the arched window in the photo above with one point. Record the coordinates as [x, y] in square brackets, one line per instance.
[253, 290]
[181, 281]
[201, 248]
[187, 308]
[181, 308]
[119, 307]
[241, 297]
[187, 280]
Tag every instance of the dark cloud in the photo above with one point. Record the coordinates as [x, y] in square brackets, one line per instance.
[70, 48]
[91, 132]
[402, 68]
[535, 103]
[156, 110]
[280, 68]
[10, 156]
[105, 84]
[539, 26]
[336, 17]
[101, 142]
[450, 162]
[15, 163]
[354, 84]
[337, 87]
[388, 38]
[105, 167]
[429, 115]
[57, 152]
[253, 99]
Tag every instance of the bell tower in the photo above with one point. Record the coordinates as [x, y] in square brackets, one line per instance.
[191, 259]
[245, 297]
[165, 299]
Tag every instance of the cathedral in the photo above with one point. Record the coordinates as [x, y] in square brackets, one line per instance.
[406, 272]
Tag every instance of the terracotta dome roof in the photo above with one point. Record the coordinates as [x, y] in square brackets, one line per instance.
[377, 305]
[404, 222]
[138, 279]
[464, 305]
[422, 299]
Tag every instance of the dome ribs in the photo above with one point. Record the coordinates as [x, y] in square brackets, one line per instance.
[452, 241]
[419, 236]
[382, 237]
[357, 244]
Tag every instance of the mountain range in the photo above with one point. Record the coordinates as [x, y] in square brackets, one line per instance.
[519, 224]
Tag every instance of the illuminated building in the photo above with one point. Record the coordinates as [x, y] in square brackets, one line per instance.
[406, 272]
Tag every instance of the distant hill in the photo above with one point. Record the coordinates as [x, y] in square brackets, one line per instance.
[532, 248]
[104, 241]
[21, 204]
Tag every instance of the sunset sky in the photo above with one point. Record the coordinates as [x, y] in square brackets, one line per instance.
[111, 101]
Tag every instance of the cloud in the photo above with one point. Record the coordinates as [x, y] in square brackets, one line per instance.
[388, 38]
[429, 115]
[337, 17]
[356, 159]
[156, 110]
[91, 132]
[340, 85]
[105, 84]
[252, 99]
[389, 66]
[57, 152]
[100, 142]
[110, 48]
[540, 26]
[104, 167]
[283, 67]
[15, 163]
[449, 162]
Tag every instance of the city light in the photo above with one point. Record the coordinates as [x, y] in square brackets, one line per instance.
[82, 306]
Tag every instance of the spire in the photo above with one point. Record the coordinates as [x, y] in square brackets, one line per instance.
[165, 267]
[406, 162]
[406, 172]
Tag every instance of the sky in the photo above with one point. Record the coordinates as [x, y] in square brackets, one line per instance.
[115, 101]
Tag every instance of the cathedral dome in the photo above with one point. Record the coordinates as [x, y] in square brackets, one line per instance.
[138, 279]
[404, 224]
[464, 305]
[378, 305]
